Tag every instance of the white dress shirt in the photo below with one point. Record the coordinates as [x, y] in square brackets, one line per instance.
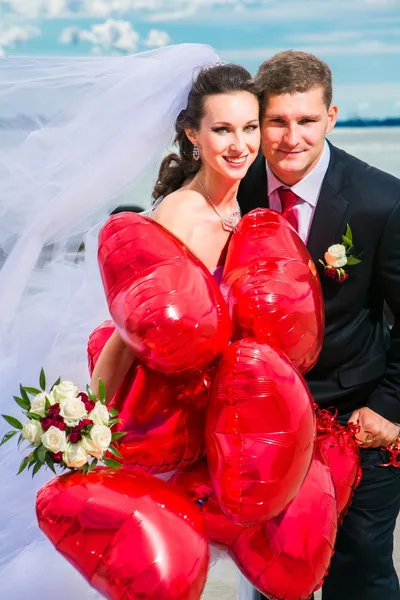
[307, 190]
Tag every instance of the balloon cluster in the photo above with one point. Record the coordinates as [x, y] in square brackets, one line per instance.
[216, 395]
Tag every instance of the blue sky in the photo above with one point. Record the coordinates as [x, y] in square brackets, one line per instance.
[360, 39]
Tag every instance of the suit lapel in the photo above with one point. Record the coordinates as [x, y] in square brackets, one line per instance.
[329, 221]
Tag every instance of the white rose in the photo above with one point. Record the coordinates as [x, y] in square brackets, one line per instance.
[64, 390]
[336, 256]
[99, 415]
[72, 410]
[38, 404]
[32, 432]
[101, 436]
[54, 439]
[91, 448]
[75, 456]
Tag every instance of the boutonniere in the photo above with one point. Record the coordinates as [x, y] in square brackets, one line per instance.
[339, 256]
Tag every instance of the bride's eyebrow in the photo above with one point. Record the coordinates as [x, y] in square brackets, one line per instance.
[227, 124]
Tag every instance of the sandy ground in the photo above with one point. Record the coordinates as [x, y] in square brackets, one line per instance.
[222, 581]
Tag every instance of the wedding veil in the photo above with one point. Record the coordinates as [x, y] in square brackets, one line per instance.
[76, 135]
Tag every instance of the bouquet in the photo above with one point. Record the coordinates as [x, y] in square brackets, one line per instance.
[65, 427]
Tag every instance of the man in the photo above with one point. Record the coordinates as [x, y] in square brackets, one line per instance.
[322, 190]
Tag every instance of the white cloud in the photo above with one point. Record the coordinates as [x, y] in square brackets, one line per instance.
[17, 34]
[157, 39]
[104, 37]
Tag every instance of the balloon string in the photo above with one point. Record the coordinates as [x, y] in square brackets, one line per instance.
[329, 426]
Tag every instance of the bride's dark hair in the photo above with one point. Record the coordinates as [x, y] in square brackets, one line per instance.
[176, 169]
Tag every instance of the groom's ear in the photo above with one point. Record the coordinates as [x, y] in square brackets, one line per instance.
[332, 117]
[191, 135]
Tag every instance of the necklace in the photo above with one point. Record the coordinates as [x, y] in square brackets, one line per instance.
[228, 223]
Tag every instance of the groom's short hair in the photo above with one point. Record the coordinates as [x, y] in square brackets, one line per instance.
[292, 71]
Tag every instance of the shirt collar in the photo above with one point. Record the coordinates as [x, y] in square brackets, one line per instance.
[307, 189]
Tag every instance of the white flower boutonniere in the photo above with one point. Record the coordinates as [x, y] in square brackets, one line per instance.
[339, 256]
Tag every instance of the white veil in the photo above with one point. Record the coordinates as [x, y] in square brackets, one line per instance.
[76, 134]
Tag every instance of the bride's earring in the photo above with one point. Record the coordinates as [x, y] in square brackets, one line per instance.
[196, 153]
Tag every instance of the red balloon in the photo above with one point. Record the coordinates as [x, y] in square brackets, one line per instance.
[96, 342]
[272, 288]
[163, 417]
[163, 300]
[125, 531]
[288, 557]
[195, 482]
[340, 450]
[260, 432]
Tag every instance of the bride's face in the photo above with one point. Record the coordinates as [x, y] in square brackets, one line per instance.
[229, 133]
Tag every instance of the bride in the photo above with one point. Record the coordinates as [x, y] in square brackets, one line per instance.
[109, 121]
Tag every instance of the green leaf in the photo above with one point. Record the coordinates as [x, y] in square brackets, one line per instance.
[91, 393]
[347, 240]
[24, 404]
[109, 462]
[31, 390]
[114, 451]
[41, 453]
[8, 436]
[12, 421]
[352, 260]
[49, 463]
[102, 390]
[42, 380]
[23, 464]
[92, 465]
[20, 440]
[36, 468]
[32, 461]
[34, 416]
[118, 435]
[24, 395]
[113, 412]
[114, 421]
[349, 233]
[56, 383]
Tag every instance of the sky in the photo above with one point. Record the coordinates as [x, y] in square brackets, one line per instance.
[360, 39]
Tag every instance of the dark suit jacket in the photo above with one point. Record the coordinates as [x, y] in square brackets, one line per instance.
[359, 364]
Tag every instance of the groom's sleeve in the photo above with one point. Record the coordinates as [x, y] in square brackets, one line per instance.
[385, 399]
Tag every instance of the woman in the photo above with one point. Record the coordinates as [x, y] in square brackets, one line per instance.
[66, 172]
[218, 136]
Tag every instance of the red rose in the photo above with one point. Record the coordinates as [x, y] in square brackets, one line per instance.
[56, 457]
[59, 423]
[47, 423]
[85, 423]
[75, 437]
[331, 273]
[54, 411]
[342, 278]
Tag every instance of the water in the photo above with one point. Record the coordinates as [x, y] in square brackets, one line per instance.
[378, 146]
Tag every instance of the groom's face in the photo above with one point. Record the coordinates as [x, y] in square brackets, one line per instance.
[293, 132]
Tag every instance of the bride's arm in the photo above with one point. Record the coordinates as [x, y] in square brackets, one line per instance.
[112, 365]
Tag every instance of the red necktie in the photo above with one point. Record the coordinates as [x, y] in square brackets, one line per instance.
[288, 200]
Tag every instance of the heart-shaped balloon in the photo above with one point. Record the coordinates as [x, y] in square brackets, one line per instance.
[163, 417]
[195, 482]
[338, 446]
[260, 432]
[272, 288]
[125, 531]
[288, 557]
[164, 302]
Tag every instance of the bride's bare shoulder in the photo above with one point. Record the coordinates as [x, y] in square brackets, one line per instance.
[176, 209]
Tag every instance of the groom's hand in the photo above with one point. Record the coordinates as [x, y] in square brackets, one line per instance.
[375, 430]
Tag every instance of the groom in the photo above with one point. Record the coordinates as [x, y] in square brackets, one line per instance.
[321, 190]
